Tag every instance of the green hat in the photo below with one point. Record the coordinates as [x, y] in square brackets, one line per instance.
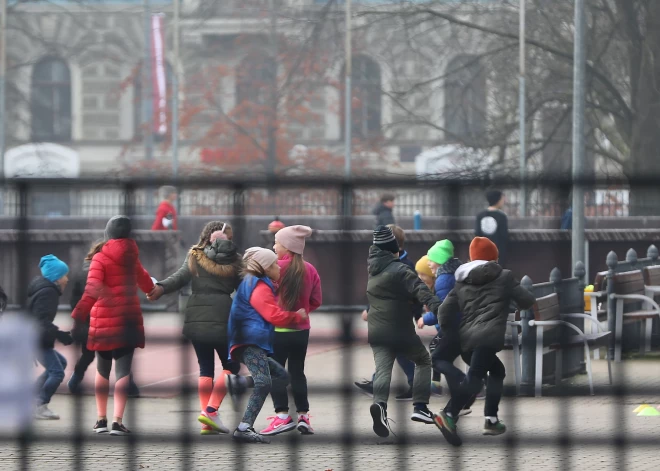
[441, 252]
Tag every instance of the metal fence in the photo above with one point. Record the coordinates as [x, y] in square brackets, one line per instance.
[101, 200]
[184, 449]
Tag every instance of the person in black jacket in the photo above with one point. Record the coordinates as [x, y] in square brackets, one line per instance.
[3, 300]
[383, 211]
[44, 293]
[483, 294]
[493, 223]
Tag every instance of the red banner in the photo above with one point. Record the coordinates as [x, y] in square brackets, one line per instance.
[158, 76]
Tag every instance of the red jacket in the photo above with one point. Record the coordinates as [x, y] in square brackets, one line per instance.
[110, 300]
[164, 208]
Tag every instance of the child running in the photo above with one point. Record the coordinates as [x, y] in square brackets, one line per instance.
[483, 293]
[44, 293]
[445, 346]
[254, 315]
[214, 268]
[116, 329]
[299, 288]
[391, 287]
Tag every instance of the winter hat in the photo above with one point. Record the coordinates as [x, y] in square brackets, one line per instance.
[422, 267]
[118, 227]
[52, 268]
[384, 239]
[442, 251]
[219, 235]
[482, 248]
[293, 238]
[259, 259]
[493, 197]
[276, 226]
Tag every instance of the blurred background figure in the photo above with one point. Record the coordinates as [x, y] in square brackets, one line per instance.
[166, 217]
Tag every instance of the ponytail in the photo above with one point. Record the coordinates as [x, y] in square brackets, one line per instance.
[292, 283]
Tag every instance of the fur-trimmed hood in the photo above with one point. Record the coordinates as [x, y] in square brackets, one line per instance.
[220, 259]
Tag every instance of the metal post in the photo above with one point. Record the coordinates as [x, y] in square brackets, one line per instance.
[348, 92]
[577, 236]
[3, 68]
[175, 96]
[147, 107]
[271, 163]
[528, 347]
[522, 114]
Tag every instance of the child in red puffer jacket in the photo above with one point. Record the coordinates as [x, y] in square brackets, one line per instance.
[112, 305]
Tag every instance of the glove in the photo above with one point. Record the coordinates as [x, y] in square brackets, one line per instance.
[64, 337]
[79, 332]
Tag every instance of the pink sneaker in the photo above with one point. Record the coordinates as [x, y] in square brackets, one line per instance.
[304, 426]
[278, 425]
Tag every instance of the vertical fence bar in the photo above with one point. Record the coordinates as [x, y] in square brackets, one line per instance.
[346, 255]
[22, 247]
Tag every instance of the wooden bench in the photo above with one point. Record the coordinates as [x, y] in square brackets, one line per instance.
[632, 304]
[552, 335]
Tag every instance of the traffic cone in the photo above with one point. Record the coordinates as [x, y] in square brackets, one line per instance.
[640, 408]
[649, 412]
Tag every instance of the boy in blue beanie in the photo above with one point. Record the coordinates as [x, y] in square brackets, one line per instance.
[44, 293]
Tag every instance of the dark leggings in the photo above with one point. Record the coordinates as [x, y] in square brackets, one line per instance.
[265, 372]
[291, 347]
[123, 361]
[84, 361]
[206, 358]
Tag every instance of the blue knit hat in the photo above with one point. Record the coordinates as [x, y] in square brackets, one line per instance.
[52, 268]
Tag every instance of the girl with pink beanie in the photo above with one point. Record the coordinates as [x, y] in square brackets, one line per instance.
[299, 288]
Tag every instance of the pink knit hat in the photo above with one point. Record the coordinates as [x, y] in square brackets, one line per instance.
[219, 234]
[293, 238]
[258, 257]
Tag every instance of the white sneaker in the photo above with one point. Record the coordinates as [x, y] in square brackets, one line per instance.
[44, 413]
[213, 421]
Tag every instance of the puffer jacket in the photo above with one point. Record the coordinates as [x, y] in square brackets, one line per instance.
[391, 288]
[110, 301]
[44, 296]
[215, 274]
[483, 293]
[444, 283]
[81, 330]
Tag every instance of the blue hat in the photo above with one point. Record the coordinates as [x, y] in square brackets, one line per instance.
[52, 268]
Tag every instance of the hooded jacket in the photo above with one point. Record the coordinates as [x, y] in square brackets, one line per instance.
[215, 274]
[391, 289]
[110, 301]
[444, 282]
[483, 293]
[384, 215]
[44, 296]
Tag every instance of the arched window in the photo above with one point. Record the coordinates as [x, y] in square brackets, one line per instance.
[465, 99]
[138, 111]
[50, 101]
[366, 98]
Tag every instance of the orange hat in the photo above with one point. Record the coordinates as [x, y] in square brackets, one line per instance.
[482, 248]
[275, 226]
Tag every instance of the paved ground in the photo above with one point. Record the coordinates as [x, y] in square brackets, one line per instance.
[534, 440]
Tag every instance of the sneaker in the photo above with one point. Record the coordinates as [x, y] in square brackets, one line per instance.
[249, 436]
[74, 384]
[304, 426]
[44, 413]
[278, 425]
[206, 430]
[119, 429]
[101, 426]
[234, 389]
[213, 420]
[381, 423]
[406, 396]
[466, 411]
[497, 428]
[366, 386]
[447, 426]
[423, 415]
[436, 388]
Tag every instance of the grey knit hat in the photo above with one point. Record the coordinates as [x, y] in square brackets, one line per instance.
[118, 227]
